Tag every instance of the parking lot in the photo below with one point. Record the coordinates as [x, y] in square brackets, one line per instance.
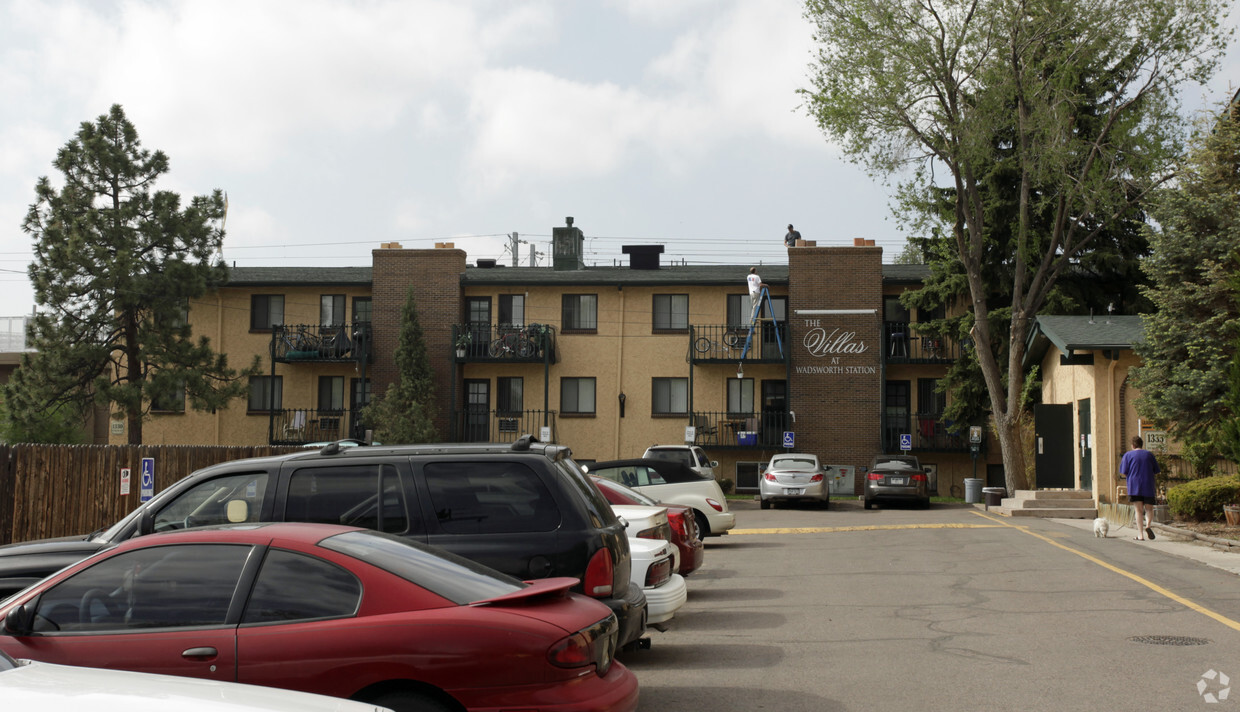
[947, 608]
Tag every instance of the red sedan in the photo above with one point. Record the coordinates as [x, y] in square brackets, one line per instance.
[327, 609]
[685, 533]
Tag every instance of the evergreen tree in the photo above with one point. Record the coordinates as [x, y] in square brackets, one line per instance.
[406, 412]
[117, 264]
[1189, 339]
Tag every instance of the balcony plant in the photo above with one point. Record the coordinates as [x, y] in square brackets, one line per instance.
[463, 340]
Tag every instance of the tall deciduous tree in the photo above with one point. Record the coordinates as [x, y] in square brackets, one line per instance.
[406, 412]
[1191, 336]
[931, 86]
[116, 266]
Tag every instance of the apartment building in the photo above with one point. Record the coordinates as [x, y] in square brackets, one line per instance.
[608, 360]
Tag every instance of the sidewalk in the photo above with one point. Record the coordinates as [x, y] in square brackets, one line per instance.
[1177, 542]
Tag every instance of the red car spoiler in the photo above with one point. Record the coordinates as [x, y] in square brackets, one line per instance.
[549, 587]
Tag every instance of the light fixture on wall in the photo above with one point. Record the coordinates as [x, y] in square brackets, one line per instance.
[622, 404]
[740, 370]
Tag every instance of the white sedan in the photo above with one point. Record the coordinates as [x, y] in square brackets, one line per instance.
[654, 561]
[673, 483]
[28, 686]
[794, 477]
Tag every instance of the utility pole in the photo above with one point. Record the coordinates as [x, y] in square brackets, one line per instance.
[515, 242]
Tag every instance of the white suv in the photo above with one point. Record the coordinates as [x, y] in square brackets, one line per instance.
[690, 456]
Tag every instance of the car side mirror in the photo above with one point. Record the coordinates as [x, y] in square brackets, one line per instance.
[714, 463]
[18, 621]
[146, 522]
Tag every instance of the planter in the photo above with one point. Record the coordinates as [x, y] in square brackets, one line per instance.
[460, 353]
[1232, 512]
[1162, 513]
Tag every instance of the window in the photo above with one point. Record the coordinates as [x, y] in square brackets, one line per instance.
[512, 309]
[671, 311]
[266, 311]
[293, 587]
[580, 312]
[331, 309]
[174, 317]
[172, 402]
[577, 395]
[156, 587]
[331, 393]
[211, 502]
[266, 393]
[361, 310]
[929, 400]
[738, 312]
[669, 396]
[359, 388]
[509, 394]
[631, 475]
[355, 495]
[893, 310]
[740, 397]
[489, 498]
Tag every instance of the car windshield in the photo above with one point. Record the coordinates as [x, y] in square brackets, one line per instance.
[455, 578]
[676, 455]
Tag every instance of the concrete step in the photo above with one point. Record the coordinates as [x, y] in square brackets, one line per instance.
[1054, 513]
[1052, 494]
[1017, 503]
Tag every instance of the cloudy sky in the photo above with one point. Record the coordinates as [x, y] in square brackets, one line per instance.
[334, 126]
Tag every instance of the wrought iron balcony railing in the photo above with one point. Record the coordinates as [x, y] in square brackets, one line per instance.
[321, 342]
[739, 430]
[528, 343]
[301, 426]
[902, 344]
[727, 343]
[930, 432]
[480, 425]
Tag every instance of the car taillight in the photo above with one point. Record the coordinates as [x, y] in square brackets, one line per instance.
[679, 524]
[718, 507]
[661, 532]
[769, 477]
[874, 476]
[816, 478]
[595, 645]
[919, 477]
[659, 572]
[600, 574]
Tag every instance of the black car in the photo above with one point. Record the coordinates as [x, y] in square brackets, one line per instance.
[524, 508]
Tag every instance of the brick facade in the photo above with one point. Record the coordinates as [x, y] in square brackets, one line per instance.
[435, 277]
[835, 384]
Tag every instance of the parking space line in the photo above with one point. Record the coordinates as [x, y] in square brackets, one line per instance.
[1127, 574]
[867, 528]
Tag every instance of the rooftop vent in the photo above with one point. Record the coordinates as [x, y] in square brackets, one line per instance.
[486, 262]
[567, 243]
[643, 256]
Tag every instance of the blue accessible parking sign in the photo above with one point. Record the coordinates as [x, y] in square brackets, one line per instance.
[906, 441]
[789, 438]
[148, 479]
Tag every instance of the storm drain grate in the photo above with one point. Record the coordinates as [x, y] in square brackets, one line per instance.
[1168, 640]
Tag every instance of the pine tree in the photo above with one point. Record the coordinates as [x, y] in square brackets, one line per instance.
[406, 412]
[117, 265]
[1189, 339]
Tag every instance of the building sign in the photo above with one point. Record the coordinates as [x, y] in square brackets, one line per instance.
[838, 347]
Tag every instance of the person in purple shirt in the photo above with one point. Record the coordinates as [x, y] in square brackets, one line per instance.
[1139, 466]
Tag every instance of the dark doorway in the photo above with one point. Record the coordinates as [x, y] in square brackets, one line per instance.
[1087, 445]
[477, 411]
[774, 409]
[896, 414]
[1053, 446]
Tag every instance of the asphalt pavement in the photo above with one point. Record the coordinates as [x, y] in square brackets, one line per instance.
[951, 608]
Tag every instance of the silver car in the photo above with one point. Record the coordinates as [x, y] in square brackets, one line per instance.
[893, 480]
[794, 477]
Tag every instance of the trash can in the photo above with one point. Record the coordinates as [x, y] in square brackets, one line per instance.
[994, 496]
[972, 490]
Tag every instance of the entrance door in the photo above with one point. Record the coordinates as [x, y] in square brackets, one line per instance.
[478, 321]
[477, 411]
[774, 408]
[896, 414]
[1087, 445]
[1053, 446]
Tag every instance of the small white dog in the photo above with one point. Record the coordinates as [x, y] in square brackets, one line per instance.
[1101, 527]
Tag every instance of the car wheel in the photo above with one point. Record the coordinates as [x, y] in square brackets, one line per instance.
[826, 504]
[409, 701]
[869, 504]
[703, 525]
[764, 504]
[925, 503]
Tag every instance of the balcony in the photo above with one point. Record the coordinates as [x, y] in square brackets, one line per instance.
[725, 344]
[301, 426]
[504, 343]
[902, 344]
[319, 343]
[499, 426]
[740, 431]
[930, 433]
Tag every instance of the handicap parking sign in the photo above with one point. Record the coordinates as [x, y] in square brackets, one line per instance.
[906, 441]
[148, 479]
[789, 438]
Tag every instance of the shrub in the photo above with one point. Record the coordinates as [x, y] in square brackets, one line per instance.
[725, 484]
[1202, 500]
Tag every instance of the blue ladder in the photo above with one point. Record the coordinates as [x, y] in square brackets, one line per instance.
[753, 321]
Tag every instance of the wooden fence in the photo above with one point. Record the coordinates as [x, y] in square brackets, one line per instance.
[66, 490]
